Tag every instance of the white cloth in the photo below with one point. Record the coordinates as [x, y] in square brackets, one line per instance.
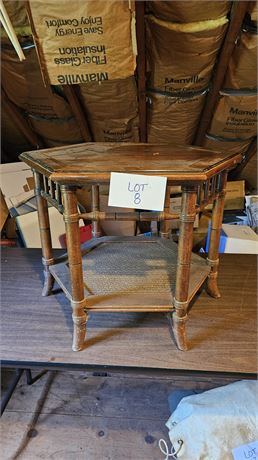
[212, 423]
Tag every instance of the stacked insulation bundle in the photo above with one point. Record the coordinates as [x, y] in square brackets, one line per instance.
[183, 40]
[92, 44]
[46, 110]
[13, 140]
[44, 107]
[112, 110]
[234, 122]
[112, 105]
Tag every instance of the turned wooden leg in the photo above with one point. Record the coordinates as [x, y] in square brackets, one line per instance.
[213, 253]
[45, 235]
[187, 217]
[165, 224]
[78, 302]
[96, 229]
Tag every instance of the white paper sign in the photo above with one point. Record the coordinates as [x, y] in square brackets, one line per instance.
[137, 191]
[246, 451]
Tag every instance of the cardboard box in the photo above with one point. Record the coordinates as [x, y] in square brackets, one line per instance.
[115, 228]
[110, 228]
[236, 239]
[4, 213]
[235, 196]
[200, 233]
[29, 229]
[17, 185]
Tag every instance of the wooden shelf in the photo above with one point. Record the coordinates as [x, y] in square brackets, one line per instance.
[130, 274]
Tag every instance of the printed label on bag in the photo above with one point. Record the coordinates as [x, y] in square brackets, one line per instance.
[137, 191]
[246, 451]
[82, 42]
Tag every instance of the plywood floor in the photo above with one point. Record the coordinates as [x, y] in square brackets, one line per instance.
[222, 333]
[82, 416]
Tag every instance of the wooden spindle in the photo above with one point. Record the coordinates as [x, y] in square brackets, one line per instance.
[216, 224]
[45, 235]
[78, 302]
[165, 224]
[206, 190]
[58, 194]
[96, 229]
[52, 189]
[187, 217]
[45, 184]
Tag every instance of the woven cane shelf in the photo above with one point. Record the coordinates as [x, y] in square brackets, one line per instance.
[132, 273]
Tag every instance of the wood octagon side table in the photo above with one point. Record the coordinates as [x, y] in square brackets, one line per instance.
[130, 273]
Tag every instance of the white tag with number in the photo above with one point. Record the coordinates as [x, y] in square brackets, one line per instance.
[246, 451]
[137, 191]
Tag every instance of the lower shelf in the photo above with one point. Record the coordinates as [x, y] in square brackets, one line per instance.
[130, 274]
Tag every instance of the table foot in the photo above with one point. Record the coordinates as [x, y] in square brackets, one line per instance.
[79, 331]
[48, 283]
[212, 286]
[179, 331]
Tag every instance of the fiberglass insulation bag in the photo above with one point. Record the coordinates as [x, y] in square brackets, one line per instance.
[112, 110]
[182, 56]
[116, 130]
[13, 141]
[173, 119]
[242, 67]
[84, 41]
[235, 116]
[56, 131]
[188, 11]
[23, 84]
[225, 145]
[48, 113]
[249, 174]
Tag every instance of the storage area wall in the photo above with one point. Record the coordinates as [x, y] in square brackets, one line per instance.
[192, 84]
